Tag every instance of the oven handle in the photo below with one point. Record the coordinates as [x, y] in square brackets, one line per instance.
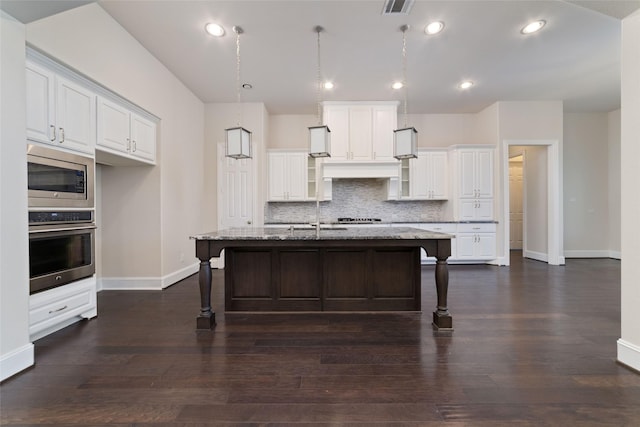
[49, 230]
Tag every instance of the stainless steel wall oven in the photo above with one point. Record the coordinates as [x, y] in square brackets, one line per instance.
[61, 248]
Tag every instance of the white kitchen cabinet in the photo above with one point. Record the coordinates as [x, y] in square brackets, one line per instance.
[476, 242]
[476, 173]
[427, 176]
[125, 133]
[287, 176]
[59, 307]
[361, 131]
[59, 111]
[473, 177]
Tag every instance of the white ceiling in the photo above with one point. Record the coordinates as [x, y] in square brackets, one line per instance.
[576, 58]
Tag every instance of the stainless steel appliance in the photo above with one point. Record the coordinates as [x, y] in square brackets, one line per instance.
[59, 179]
[61, 248]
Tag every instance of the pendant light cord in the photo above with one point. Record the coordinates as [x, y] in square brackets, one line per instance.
[404, 70]
[238, 31]
[319, 82]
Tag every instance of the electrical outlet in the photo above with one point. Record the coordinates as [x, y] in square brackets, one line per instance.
[181, 258]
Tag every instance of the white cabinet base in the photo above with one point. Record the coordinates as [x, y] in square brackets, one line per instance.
[56, 308]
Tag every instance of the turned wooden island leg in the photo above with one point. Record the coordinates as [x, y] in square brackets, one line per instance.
[207, 318]
[441, 317]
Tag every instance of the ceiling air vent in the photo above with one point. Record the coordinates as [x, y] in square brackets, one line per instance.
[393, 7]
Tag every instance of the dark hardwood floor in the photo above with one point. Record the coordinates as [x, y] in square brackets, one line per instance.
[534, 345]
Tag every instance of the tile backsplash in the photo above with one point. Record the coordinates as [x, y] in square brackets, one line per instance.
[356, 198]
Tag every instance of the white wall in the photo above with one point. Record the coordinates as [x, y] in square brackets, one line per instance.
[290, 130]
[148, 212]
[614, 182]
[16, 351]
[629, 343]
[586, 185]
[442, 130]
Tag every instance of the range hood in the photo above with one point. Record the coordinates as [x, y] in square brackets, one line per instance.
[364, 169]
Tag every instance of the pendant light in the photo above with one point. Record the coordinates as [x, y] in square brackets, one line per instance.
[319, 136]
[238, 139]
[405, 139]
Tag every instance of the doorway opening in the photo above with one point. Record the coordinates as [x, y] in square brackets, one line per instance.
[532, 208]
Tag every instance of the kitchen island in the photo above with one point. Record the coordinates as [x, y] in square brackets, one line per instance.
[335, 269]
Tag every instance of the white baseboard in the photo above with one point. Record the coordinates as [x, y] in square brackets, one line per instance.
[587, 254]
[147, 283]
[615, 254]
[629, 354]
[16, 361]
[538, 256]
[176, 276]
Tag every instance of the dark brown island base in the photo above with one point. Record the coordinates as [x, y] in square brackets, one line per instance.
[288, 269]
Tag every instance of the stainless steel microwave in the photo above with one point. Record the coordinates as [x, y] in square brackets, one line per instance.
[59, 179]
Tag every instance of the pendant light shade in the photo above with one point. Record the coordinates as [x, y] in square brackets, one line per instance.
[238, 143]
[405, 140]
[404, 143]
[238, 139]
[319, 141]
[319, 136]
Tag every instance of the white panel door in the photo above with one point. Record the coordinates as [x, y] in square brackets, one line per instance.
[467, 171]
[143, 138]
[419, 176]
[337, 118]
[297, 176]
[277, 164]
[113, 126]
[486, 246]
[484, 173]
[40, 104]
[360, 133]
[235, 191]
[438, 175]
[516, 215]
[75, 116]
[385, 120]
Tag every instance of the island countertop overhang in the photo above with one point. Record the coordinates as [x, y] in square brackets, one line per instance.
[327, 234]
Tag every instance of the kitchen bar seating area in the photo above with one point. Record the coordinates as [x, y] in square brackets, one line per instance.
[532, 346]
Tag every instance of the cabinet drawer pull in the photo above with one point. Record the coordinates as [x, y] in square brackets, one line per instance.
[53, 134]
[58, 310]
[476, 228]
[61, 135]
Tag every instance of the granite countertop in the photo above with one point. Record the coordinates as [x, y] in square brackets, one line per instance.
[329, 233]
[379, 223]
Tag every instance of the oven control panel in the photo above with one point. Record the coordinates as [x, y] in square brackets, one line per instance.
[49, 217]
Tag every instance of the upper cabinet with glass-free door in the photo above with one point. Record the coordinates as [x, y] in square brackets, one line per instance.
[361, 131]
[59, 111]
[124, 133]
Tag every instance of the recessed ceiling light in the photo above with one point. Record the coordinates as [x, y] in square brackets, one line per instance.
[215, 30]
[532, 27]
[434, 28]
[397, 85]
[328, 85]
[465, 84]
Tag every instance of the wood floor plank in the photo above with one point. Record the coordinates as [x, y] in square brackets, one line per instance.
[534, 345]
